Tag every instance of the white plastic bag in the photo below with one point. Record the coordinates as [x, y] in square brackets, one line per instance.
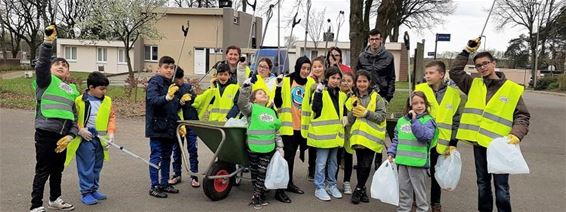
[385, 184]
[277, 175]
[233, 122]
[504, 158]
[448, 170]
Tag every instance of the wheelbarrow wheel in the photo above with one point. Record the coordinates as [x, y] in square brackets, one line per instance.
[217, 189]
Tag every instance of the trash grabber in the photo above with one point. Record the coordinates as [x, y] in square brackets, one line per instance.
[269, 16]
[295, 22]
[340, 20]
[408, 47]
[487, 19]
[110, 142]
[183, 147]
[185, 32]
[253, 22]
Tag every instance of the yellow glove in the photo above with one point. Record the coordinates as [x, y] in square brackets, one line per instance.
[513, 139]
[183, 131]
[62, 143]
[171, 91]
[186, 97]
[473, 45]
[360, 111]
[213, 81]
[50, 33]
[450, 150]
[354, 101]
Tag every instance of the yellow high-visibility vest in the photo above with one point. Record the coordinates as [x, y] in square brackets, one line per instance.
[327, 131]
[101, 126]
[285, 111]
[260, 84]
[442, 113]
[223, 103]
[306, 108]
[367, 133]
[483, 122]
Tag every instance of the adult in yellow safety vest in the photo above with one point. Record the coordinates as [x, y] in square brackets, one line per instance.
[445, 108]
[495, 108]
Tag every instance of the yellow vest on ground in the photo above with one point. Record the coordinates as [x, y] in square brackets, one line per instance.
[442, 113]
[483, 122]
[306, 108]
[101, 126]
[367, 133]
[223, 103]
[327, 131]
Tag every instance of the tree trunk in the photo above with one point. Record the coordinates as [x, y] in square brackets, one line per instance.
[359, 28]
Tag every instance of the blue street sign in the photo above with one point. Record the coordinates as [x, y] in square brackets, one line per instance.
[442, 37]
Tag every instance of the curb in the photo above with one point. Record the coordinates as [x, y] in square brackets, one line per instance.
[547, 92]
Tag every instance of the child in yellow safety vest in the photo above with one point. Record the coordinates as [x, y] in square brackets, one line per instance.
[96, 120]
[345, 153]
[220, 99]
[317, 76]
[326, 133]
[410, 148]
[366, 117]
[263, 138]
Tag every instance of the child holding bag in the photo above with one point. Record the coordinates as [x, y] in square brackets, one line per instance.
[410, 147]
[262, 139]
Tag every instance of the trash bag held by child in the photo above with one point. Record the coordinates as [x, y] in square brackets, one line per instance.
[277, 175]
[448, 170]
[385, 184]
[505, 158]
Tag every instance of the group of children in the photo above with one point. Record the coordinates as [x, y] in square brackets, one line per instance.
[322, 106]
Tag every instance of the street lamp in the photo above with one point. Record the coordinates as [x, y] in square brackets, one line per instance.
[536, 46]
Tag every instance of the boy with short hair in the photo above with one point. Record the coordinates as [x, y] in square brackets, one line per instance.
[55, 124]
[222, 95]
[96, 120]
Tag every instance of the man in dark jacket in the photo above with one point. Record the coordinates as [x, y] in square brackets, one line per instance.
[493, 81]
[380, 63]
[162, 104]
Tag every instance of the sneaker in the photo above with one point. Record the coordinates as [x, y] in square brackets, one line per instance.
[156, 192]
[347, 188]
[194, 182]
[356, 196]
[59, 204]
[170, 189]
[334, 192]
[88, 199]
[321, 194]
[99, 195]
[436, 207]
[256, 202]
[174, 180]
[38, 209]
[364, 197]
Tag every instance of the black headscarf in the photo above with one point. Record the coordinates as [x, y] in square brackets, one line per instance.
[297, 74]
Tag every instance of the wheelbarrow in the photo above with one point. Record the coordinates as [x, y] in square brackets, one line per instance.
[230, 155]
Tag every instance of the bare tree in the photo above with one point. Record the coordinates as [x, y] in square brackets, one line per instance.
[529, 14]
[359, 27]
[315, 26]
[73, 12]
[290, 41]
[22, 19]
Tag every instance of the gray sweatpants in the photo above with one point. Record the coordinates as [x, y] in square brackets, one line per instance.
[412, 179]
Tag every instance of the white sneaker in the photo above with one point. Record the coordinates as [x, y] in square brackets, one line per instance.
[59, 204]
[334, 192]
[347, 188]
[38, 209]
[321, 195]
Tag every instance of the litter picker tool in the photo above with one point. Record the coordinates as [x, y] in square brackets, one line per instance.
[253, 22]
[110, 142]
[295, 22]
[487, 19]
[185, 33]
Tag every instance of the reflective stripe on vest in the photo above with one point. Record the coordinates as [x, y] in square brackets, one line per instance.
[57, 99]
[327, 131]
[285, 110]
[367, 133]
[222, 103]
[410, 152]
[262, 129]
[306, 108]
[443, 113]
[483, 122]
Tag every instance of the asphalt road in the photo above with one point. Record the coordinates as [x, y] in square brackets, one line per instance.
[126, 180]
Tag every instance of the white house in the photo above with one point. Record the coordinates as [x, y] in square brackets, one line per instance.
[94, 55]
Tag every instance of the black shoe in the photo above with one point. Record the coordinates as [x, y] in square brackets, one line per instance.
[364, 197]
[263, 200]
[282, 197]
[356, 196]
[170, 189]
[294, 189]
[256, 202]
[156, 192]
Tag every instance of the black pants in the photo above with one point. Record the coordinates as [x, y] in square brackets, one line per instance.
[434, 187]
[258, 168]
[291, 144]
[365, 158]
[49, 165]
[378, 160]
[348, 160]
[500, 182]
[312, 161]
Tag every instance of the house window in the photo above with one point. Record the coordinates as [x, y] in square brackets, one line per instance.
[71, 53]
[101, 55]
[151, 53]
[122, 56]
[314, 53]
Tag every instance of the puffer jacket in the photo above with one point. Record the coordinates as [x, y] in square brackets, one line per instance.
[381, 66]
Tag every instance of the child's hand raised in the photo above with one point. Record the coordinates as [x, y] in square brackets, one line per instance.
[413, 114]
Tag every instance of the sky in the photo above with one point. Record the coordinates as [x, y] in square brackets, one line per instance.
[465, 23]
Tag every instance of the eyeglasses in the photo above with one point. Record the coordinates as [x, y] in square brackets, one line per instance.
[336, 55]
[263, 67]
[482, 65]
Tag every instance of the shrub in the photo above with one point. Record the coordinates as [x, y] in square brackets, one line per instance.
[544, 83]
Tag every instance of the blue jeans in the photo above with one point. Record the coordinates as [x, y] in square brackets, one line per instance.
[160, 155]
[325, 161]
[500, 182]
[90, 157]
[193, 155]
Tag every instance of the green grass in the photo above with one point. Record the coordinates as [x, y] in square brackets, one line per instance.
[398, 102]
[401, 85]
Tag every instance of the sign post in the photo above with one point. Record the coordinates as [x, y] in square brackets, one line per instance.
[440, 37]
